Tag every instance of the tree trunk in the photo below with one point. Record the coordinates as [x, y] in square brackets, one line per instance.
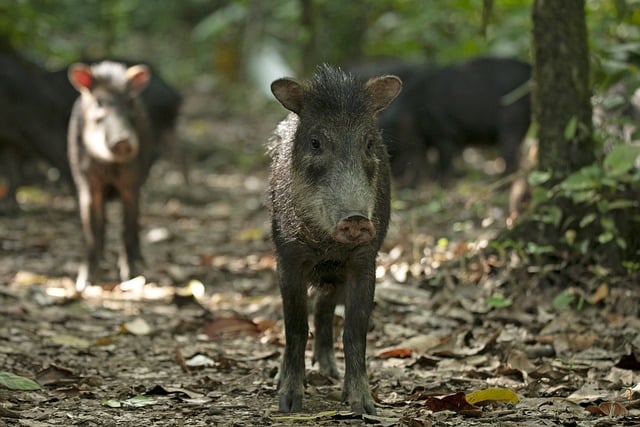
[561, 93]
[308, 22]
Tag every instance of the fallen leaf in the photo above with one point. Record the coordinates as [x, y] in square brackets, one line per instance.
[230, 326]
[55, 375]
[454, 402]
[16, 382]
[499, 301]
[199, 361]
[70, 341]
[600, 294]
[563, 300]
[137, 326]
[72, 391]
[629, 361]
[250, 234]
[28, 278]
[421, 344]
[493, 394]
[519, 361]
[159, 234]
[397, 352]
[194, 288]
[415, 422]
[610, 409]
[160, 390]
[132, 402]
[105, 341]
[299, 418]
[135, 284]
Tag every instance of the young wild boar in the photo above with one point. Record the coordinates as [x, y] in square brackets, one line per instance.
[329, 200]
[109, 150]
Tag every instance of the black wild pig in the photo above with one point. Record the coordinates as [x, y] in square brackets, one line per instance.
[329, 201]
[484, 100]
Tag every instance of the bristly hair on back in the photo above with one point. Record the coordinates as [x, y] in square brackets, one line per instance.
[332, 89]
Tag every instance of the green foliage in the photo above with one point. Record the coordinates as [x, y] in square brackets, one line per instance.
[344, 32]
[614, 38]
[220, 22]
[563, 300]
[591, 216]
[499, 301]
[621, 160]
[570, 129]
[568, 299]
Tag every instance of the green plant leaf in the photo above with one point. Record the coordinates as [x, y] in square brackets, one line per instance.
[587, 219]
[539, 195]
[621, 159]
[622, 204]
[631, 266]
[605, 237]
[608, 223]
[536, 249]
[550, 215]
[499, 301]
[570, 129]
[536, 178]
[16, 382]
[585, 196]
[563, 300]
[586, 178]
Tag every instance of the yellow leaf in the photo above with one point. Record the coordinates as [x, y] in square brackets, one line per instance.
[601, 294]
[250, 234]
[501, 394]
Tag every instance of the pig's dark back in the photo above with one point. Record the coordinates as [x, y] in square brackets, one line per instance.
[465, 100]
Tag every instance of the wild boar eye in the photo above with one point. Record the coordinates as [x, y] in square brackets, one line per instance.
[316, 146]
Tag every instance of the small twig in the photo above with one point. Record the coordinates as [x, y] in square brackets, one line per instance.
[181, 361]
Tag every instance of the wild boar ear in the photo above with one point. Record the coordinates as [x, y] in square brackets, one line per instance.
[138, 77]
[80, 77]
[383, 90]
[289, 92]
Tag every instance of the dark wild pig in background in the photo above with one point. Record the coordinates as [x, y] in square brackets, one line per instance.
[329, 197]
[450, 107]
[29, 123]
[110, 152]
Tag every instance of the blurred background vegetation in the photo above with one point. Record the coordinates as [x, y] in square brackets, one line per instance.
[230, 42]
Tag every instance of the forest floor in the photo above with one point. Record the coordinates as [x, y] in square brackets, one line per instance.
[197, 340]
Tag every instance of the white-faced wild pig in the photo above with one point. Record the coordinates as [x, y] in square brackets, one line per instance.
[329, 201]
[109, 146]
